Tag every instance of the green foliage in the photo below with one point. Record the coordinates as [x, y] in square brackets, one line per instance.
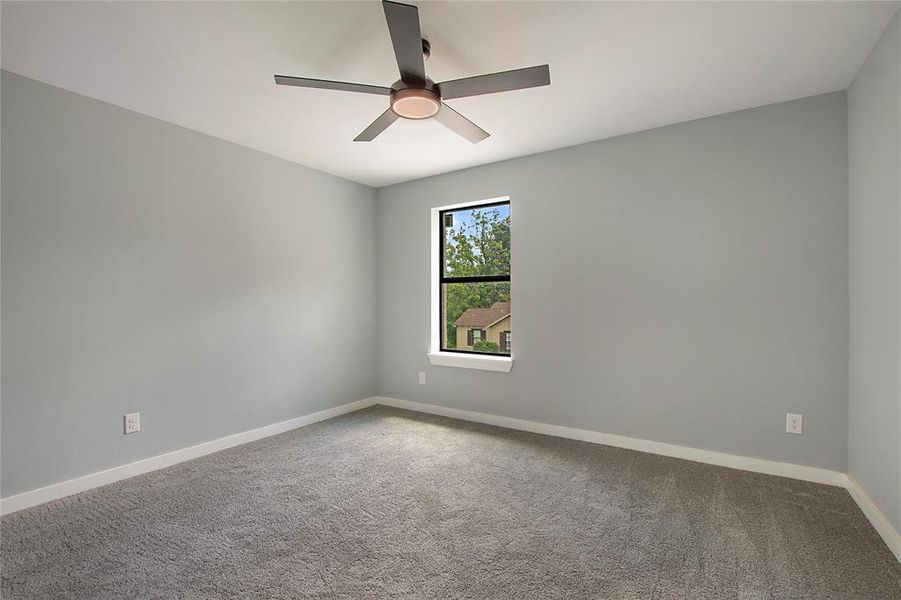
[486, 346]
[481, 247]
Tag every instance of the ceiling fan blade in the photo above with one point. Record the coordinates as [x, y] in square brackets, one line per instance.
[378, 126]
[504, 81]
[325, 84]
[403, 25]
[460, 124]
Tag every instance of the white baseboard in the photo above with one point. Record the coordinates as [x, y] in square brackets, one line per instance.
[54, 491]
[880, 522]
[758, 465]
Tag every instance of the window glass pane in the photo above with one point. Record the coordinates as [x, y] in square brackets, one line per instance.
[477, 241]
[475, 315]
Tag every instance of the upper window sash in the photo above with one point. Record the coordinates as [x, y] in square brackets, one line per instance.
[443, 225]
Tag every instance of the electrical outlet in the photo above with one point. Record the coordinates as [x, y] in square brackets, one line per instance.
[421, 378]
[132, 422]
[793, 423]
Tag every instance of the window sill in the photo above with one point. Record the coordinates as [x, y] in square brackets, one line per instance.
[501, 364]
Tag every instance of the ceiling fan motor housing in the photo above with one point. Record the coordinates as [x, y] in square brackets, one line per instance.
[415, 102]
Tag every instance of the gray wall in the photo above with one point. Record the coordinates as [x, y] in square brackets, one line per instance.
[687, 284]
[874, 158]
[150, 268]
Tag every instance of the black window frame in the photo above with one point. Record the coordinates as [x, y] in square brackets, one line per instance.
[443, 278]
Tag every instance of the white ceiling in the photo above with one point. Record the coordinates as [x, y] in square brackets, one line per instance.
[615, 68]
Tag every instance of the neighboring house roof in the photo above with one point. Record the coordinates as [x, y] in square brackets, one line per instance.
[484, 317]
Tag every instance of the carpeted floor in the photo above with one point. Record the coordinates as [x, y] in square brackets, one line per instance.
[385, 503]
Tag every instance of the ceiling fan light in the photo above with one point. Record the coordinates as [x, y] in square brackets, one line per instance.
[415, 103]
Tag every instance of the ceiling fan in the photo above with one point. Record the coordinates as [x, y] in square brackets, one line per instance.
[415, 96]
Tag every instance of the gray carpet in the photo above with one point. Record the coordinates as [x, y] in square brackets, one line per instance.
[385, 503]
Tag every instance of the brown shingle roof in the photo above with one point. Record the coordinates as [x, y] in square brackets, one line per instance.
[483, 317]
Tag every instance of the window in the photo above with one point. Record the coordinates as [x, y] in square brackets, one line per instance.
[475, 335]
[474, 279]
